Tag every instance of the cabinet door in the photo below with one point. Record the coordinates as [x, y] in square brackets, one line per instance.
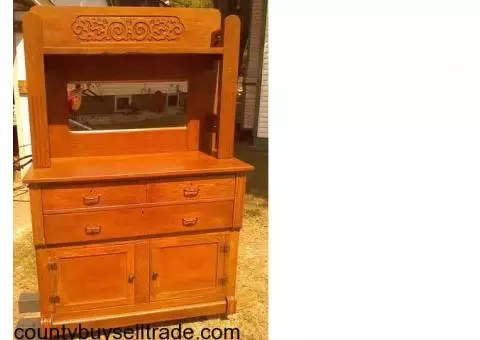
[92, 277]
[187, 266]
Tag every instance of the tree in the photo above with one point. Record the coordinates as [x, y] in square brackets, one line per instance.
[192, 3]
[242, 8]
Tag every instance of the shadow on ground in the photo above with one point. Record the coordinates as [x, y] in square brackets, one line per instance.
[257, 180]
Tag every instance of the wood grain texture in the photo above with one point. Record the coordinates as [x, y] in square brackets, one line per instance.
[231, 305]
[151, 67]
[228, 87]
[128, 50]
[70, 28]
[189, 217]
[36, 210]
[142, 270]
[191, 189]
[130, 167]
[94, 226]
[126, 142]
[94, 276]
[45, 284]
[60, 197]
[200, 102]
[127, 223]
[144, 314]
[139, 308]
[187, 266]
[216, 105]
[37, 106]
[240, 185]
[233, 238]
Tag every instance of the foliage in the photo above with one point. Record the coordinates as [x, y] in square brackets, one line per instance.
[192, 3]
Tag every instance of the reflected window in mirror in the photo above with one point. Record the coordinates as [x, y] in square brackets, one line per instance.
[125, 105]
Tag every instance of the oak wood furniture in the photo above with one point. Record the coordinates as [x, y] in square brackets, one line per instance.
[134, 226]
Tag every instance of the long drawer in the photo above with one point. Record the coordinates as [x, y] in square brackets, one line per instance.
[56, 198]
[191, 189]
[122, 223]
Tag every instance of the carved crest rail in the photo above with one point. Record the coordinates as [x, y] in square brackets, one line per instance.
[127, 28]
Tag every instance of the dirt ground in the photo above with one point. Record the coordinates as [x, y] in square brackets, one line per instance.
[252, 275]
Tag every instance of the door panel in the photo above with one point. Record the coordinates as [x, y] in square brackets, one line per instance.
[94, 277]
[187, 266]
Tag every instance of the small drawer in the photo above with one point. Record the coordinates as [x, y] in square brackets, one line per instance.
[191, 189]
[92, 226]
[189, 217]
[63, 197]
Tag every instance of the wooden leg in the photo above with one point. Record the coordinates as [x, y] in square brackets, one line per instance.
[231, 305]
[45, 326]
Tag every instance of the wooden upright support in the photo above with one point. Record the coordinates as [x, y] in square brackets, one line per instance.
[37, 104]
[228, 89]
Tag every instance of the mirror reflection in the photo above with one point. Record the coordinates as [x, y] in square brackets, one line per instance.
[126, 105]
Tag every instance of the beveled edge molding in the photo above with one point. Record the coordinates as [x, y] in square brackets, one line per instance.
[100, 28]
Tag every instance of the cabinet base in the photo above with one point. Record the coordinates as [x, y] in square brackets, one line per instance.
[150, 316]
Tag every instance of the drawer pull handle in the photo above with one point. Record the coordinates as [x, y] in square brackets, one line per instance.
[93, 230]
[131, 278]
[188, 222]
[191, 192]
[92, 200]
[154, 275]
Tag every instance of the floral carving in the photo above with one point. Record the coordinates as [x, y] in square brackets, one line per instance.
[111, 28]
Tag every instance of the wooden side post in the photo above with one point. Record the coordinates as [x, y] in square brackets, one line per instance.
[36, 209]
[228, 89]
[200, 103]
[37, 104]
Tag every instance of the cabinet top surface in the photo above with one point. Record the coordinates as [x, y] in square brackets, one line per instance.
[124, 167]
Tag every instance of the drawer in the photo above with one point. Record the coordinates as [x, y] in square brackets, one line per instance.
[92, 226]
[114, 224]
[189, 217]
[191, 189]
[90, 195]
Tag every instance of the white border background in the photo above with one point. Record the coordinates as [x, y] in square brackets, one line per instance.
[374, 170]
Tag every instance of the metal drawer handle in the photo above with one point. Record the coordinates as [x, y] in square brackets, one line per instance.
[131, 278]
[191, 192]
[188, 222]
[93, 230]
[92, 200]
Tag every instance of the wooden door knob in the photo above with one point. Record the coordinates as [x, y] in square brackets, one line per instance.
[154, 275]
[131, 278]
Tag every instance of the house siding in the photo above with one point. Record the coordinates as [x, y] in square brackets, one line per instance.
[22, 118]
[253, 72]
[131, 88]
[262, 124]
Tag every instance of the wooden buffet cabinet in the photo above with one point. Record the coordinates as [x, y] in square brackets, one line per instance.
[134, 226]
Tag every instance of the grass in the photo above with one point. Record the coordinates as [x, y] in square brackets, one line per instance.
[24, 265]
[252, 273]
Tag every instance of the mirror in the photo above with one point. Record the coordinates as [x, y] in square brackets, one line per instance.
[95, 106]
